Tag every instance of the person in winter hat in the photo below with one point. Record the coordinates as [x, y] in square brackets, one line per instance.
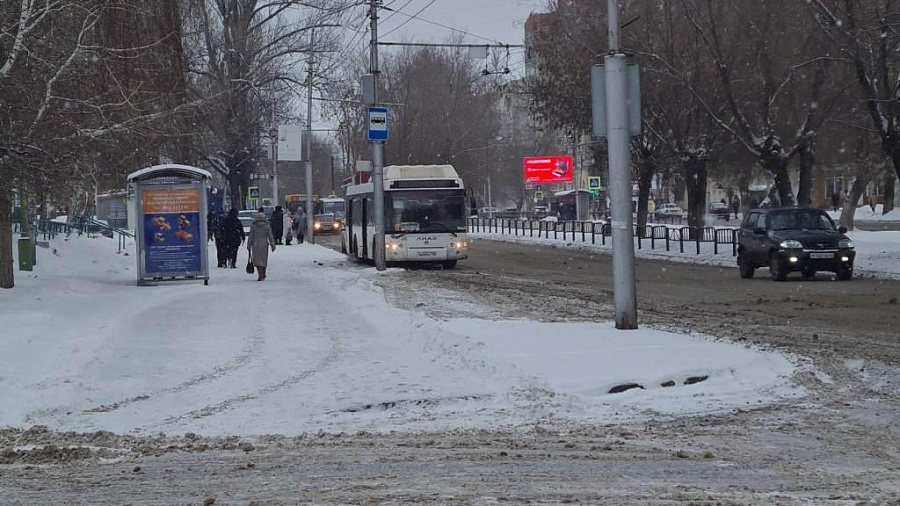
[277, 223]
[233, 236]
[259, 240]
[286, 222]
[300, 224]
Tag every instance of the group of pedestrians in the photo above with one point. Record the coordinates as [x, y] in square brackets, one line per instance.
[228, 233]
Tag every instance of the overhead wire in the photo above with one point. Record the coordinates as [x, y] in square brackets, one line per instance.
[414, 16]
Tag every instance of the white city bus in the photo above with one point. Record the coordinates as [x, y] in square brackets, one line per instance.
[424, 216]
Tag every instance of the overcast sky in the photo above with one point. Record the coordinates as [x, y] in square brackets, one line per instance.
[437, 21]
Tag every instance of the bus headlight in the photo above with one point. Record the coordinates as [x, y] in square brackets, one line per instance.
[391, 246]
[317, 225]
[461, 244]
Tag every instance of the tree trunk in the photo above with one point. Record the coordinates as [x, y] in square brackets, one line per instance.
[7, 279]
[645, 178]
[807, 161]
[777, 165]
[856, 192]
[695, 183]
[743, 185]
[890, 185]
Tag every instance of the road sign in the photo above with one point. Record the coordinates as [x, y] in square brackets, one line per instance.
[538, 196]
[529, 186]
[253, 192]
[539, 188]
[594, 182]
[378, 123]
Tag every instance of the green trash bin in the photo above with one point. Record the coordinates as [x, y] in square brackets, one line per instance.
[26, 254]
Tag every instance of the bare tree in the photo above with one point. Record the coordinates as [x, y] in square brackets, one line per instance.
[72, 88]
[248, 53]
[864, 33]
[761, 53]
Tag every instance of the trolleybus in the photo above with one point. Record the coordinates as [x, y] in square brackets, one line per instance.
[424, 216]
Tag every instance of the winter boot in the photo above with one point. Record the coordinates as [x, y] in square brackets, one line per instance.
[262, 273]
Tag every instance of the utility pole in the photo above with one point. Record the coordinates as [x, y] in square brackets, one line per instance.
[618, 138]
[273, 134]
[377, 149]
[310, 233]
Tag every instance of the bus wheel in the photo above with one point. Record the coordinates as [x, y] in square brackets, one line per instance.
[449, 264]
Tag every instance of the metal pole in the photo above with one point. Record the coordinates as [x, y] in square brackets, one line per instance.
[310, 233]
[620, 178]
[377, 151]
[273, 133]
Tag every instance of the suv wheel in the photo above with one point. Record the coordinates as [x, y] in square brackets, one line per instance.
[744, 266]
[777, 268]
[845, 273]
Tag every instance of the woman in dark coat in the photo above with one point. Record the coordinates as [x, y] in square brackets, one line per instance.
[234, 236]
[277, 224]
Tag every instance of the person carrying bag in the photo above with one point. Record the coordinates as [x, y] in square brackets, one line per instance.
[250, 263]
[259, 241]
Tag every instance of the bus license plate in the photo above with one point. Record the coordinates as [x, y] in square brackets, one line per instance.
[821, 255]
[427, 254]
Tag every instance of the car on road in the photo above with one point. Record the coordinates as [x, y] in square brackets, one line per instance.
[488, 212]
[793, 239]
[326, 222]
[720, 210]
[669, 210]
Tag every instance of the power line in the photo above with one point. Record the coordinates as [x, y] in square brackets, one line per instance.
[414, 16]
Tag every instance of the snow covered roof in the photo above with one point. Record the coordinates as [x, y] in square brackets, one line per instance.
[170, 170]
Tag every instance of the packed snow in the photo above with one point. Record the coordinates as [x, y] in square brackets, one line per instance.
[316, 348]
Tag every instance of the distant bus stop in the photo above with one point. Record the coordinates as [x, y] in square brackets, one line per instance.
[170, 234]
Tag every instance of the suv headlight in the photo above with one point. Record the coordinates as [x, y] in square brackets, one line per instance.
[845, 243]
[791, 244]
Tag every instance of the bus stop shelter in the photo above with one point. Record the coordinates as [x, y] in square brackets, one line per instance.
[170, 232]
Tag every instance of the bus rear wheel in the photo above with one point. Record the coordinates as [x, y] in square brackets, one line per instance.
[449, 264]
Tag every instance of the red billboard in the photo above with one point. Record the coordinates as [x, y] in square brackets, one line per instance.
[548, 169]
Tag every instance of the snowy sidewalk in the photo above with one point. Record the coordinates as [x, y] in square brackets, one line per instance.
[316, 347]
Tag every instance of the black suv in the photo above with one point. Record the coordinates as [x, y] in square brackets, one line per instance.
[793, 239]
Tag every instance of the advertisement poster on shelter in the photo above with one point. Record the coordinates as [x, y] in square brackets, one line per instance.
[171, 219]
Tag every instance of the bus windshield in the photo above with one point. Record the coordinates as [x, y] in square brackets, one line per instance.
[425, 211]
[335, 207]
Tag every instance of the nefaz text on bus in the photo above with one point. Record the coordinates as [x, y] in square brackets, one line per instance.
[424, 216]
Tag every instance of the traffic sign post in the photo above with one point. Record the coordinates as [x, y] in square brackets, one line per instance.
[378, 123]
[594, 183]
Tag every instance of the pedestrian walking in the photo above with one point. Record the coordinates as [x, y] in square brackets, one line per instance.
[287, 223]
[259, 241]
[233, 233]
[217, 229]
[300, 224]
[835, 200]
[277, 223]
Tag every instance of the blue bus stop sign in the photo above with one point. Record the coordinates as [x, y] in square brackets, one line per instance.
[378, 123]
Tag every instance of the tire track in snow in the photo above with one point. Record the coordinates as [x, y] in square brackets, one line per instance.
[335, 325]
